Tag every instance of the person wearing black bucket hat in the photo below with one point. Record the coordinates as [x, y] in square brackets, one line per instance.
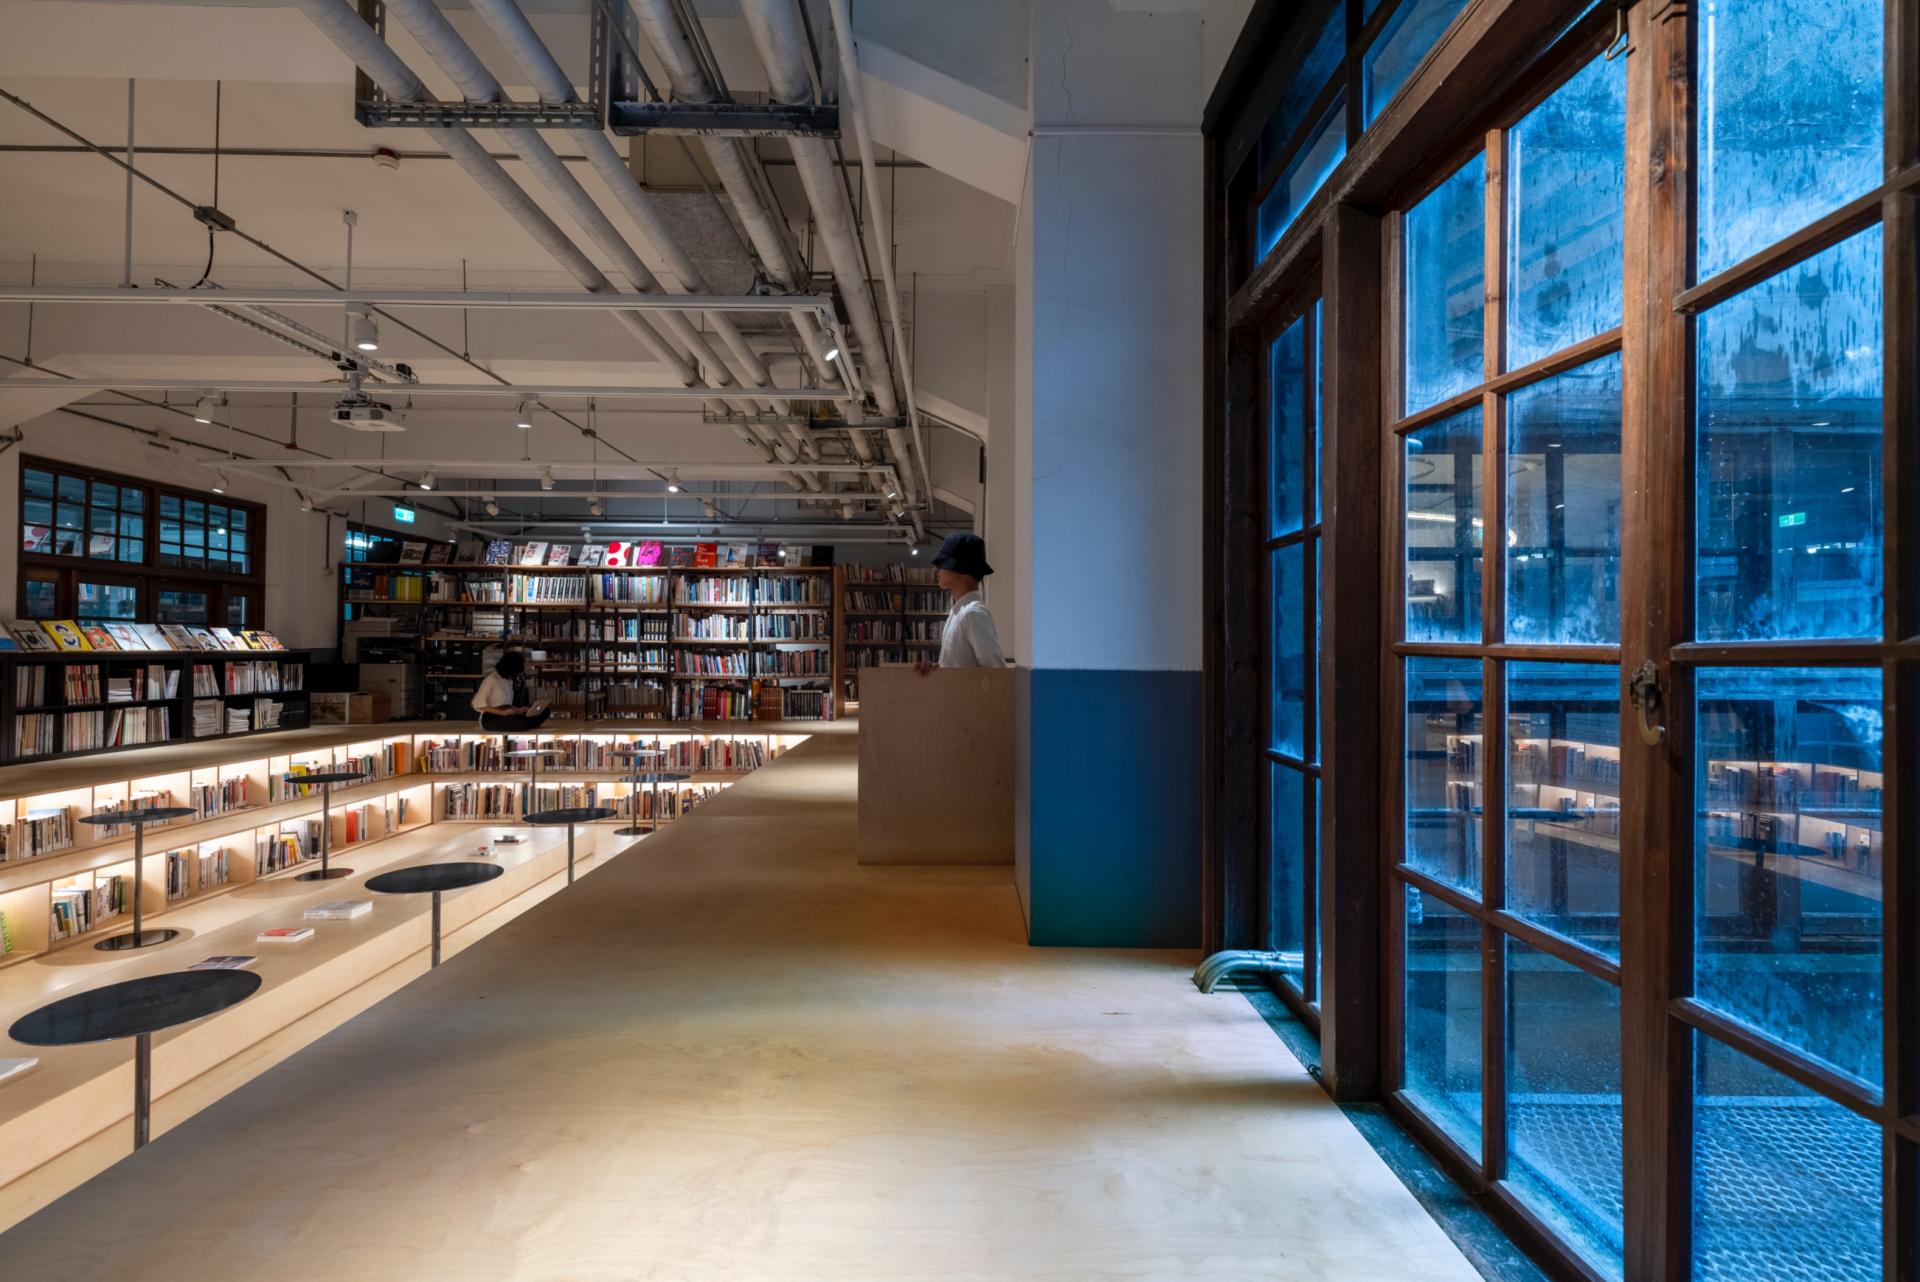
[969, 639]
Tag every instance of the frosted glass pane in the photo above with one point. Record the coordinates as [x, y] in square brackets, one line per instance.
[1445, 239]
[1788, 455]
[1302, 178]
[1567, 176]
[1288, 676]
[1445, 739]
[1287, 868]
[1790, 118]
[1563, 508]
[1416, 26]
[1442, 1047]
[1788, 860]
[1304, 87]
[1444, 529]
[1563, 799]
[1286, 429]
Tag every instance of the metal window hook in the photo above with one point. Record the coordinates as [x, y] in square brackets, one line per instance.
[1644, 692]
[1618, 45]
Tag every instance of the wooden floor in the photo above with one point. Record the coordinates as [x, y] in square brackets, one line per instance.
[734, 1055]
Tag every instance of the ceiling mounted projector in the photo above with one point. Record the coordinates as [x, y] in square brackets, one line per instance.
[362, 413]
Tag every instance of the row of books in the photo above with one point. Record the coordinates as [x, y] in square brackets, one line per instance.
[708, 663]
[369, 585]
[194, 872]
[128, 727]
[643, 555]
[68, 635]
[872, 602]
[805, 704]
[894, 631]
[701, 701]
[547, 589]
[38, 832]
[1560, 761]
[713, 627]
[1844, 845]
[798, 589]
[890, 574]
[640, 660]
[877, 656]
[725, 590]
[1789, 786]
[264, 678]
[794, 663]
[221, 798]
[78, 909]
[791, 626]
[628, 589]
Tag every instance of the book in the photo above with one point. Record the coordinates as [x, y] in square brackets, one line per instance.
[285, 935]
[533, 554]
[12, 1068]
[591, 554]
[177, 637]
[413, 553]
[30, 635]
[617, 555]
[339, 910]
[226, 639]
[66, 635]
[560, 554]
[267, 640]
[734, 554]
[706, 555]
[225, 961]
[645, 554]
[98, 638]
[126, 636]
[499, 552]
[7, 643]
[151, 637]
[203, 638]
[439, 554]
[680, 557]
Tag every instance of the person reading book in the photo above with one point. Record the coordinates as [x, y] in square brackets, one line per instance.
[969, 639]
[502, 701]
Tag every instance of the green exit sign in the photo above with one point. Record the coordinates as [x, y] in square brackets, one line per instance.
[404, 515]
[1793, 518]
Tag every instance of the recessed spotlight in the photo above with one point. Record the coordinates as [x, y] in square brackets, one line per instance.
[914, 551]
[362, 331]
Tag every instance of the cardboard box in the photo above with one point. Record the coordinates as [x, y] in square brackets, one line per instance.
[359, 708]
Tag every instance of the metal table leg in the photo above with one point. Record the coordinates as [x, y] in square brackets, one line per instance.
[142, 1088]
[436, 928]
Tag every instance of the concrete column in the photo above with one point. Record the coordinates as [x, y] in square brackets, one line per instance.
[1107, 466]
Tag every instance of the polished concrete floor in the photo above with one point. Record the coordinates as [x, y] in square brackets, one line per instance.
[735, 1054]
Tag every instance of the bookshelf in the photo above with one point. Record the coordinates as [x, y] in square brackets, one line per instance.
[63, 882]
[78, 703]
[891, 614]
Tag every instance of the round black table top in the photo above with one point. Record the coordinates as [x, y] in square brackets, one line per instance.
[423, 879]
[572, 815]
[655, 776]
[327, 776]
[535, 752]
[134, 1006]
[147, 815]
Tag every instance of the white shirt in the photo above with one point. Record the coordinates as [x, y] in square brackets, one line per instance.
[495, 692]
[969, 640]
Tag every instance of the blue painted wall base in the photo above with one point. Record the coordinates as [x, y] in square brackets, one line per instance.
[1107, 807]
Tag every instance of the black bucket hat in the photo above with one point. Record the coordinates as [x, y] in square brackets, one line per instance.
[964, 554]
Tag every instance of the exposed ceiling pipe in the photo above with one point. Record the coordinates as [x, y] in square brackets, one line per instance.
[687, 76]
[551, 85]
[775, 26]
[370, 53]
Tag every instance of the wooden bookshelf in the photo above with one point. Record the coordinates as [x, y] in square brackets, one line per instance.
[889, 614]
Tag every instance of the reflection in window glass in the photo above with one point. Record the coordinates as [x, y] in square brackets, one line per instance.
[1786, 1182]
[1442, 1049]
[1788, 426]
[1787, 862]
[1304, 86]
[1563, 507]
[1563, 1101]
[1289, 665]
[237, 604]
[1444, 503]
[1444, 742]
[1287, 867]
[1444, 238]
[1790, 118]
[181, 607]
[1563, 799]
[1302, 178]
[109, 601]
[1287, 429]
[1566, 179]
[41, 601]
[1416, 26]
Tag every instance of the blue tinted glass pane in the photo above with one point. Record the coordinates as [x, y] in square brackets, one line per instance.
[1317, 365]
[1444, 529]
[1305, 85]
[1302, 177]
[1788, 464]
[1563, 1101]
[1563, 507]
[1790, 117]
[1563, 799]
[1442, 1047]
[1287, 867]
[1567, 179]
[1313, 906]
[1288, 567]
[1414, 28]
[1787, 857]
[35, 483]
[1786, 1182]
[1286, 428]
[1443, 769]
[1445, 238]
[1313, 658]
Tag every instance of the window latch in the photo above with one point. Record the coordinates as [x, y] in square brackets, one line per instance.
[1644, 691]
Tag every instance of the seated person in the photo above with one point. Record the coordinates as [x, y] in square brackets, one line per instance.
[502, 702]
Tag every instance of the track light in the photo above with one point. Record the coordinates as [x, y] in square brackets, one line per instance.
[426, 480]
[546, 478]
[913, 551]
[204, 407]
[596, 508]
[833, 350]
[306, 503]
[362, 332]
[220, 482]
[493, 506]
[523, 418]
[673, 481]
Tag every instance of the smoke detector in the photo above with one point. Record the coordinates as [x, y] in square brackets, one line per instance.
[386, 158]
